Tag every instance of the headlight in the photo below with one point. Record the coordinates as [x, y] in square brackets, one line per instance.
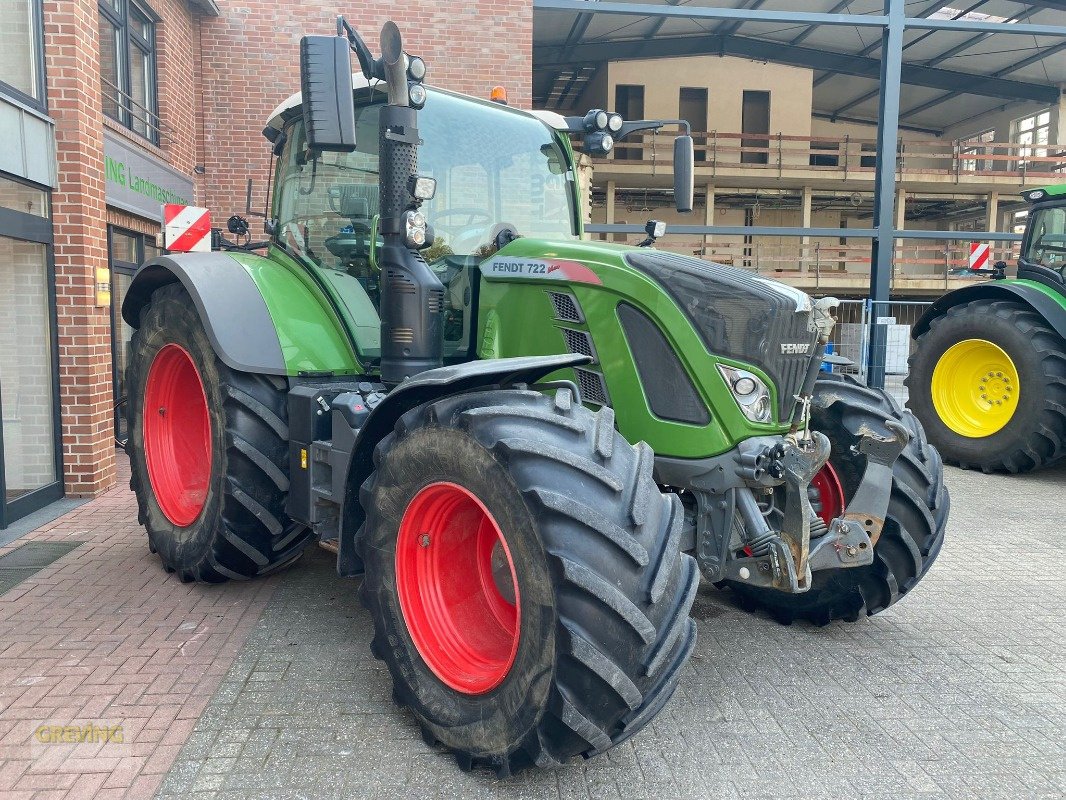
[417, 94]
[749, 391]
[614, 122]
[416, 68]
[595, 120]
[599, 143]
[415, 229]
[422, 187]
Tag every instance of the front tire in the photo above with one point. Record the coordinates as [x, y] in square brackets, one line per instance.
[914, 528]
[988, 381]
[573, 624]
[208, 451]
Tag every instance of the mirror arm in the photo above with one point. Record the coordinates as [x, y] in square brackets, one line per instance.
[649, 125]
[577, 125]
[371, 67]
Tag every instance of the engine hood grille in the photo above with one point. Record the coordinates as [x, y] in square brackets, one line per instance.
[741, 316]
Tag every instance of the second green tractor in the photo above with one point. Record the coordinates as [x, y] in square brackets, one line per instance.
[529, 445]
[988, 374]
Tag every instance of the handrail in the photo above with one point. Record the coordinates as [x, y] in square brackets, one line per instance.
[957, 157]
[913, 258]
[125, 101]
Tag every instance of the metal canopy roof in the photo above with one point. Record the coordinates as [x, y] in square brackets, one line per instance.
[948, 76]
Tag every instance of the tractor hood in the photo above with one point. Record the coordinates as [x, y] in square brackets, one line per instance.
[739, 315]
[736, 314]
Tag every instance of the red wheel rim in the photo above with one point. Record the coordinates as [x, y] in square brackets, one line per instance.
[177, 435]
[457, 588]
[830, 493]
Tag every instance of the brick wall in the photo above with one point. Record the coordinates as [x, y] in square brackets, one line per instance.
[250, 64]
[80, 215]
[218, 80]
[80, 245]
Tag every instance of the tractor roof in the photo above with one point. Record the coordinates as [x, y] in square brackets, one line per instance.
[1047, 193]
[359, 81]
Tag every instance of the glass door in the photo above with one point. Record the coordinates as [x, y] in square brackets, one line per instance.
[30, 475]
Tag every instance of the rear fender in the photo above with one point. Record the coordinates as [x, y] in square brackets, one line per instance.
[295, 332]
[424, 388]
[1040, 299]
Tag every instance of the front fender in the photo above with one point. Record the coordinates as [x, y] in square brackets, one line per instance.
[1043, 300]
[418, 390]
[258, 315]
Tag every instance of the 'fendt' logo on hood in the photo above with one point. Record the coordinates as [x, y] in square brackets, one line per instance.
[795, 348]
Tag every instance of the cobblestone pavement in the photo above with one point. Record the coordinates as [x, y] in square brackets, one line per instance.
[104, 638]
[958, 691]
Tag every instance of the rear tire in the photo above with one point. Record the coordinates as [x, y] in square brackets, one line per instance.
[603, 589]
[1035, 435]
[917, 512]
[235, 525]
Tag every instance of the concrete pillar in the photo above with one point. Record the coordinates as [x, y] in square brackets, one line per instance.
[900, 224]
[1057, 134]
[805, 222]
[992, 215]
[992, 221]
[610, 208]
[708, 216]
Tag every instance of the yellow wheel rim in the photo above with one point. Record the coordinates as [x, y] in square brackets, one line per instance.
[975, 388]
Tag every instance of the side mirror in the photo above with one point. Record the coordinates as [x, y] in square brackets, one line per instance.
[684, 173]
[326, 84]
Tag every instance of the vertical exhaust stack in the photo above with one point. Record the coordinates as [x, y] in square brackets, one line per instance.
[412, 298]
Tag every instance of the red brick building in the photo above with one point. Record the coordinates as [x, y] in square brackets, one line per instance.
[111, 107]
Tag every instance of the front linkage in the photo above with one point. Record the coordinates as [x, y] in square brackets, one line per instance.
[729, 531]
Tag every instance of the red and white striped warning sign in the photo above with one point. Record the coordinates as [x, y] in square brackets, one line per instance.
[978, 255]
[187, 229]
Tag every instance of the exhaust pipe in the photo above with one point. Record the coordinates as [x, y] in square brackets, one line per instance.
[412, 298]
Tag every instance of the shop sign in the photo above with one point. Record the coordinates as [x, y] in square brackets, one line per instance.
[140, 183]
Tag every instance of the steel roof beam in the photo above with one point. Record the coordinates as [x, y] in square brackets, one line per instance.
[811, 28]
[804, 18]
[732, 27]
[550, 57]
[858, 101]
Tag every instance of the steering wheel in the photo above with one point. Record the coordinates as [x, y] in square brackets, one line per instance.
[474, 217]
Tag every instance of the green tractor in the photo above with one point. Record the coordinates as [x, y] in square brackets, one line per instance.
[529, 445]
[988, 374]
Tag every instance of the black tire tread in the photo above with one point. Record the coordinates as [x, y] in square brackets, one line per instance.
[914, 529]
[252, 535]
[620, 532]
[1044, 443]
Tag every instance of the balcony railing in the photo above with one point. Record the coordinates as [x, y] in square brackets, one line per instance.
[848, 156]
[121, 107]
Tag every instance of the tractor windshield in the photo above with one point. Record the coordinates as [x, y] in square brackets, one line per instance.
[1045, 244]
[493, 167]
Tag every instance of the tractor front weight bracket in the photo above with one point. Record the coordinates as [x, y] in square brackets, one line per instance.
[869, 505]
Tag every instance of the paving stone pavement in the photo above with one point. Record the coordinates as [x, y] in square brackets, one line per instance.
[267, 689]
[959, 691]
[103, 637]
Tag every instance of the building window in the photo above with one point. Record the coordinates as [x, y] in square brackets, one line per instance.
[977, 145]
[629, 102]
[21, 64]
[755, 120]
[127, 66]
[1032, 133]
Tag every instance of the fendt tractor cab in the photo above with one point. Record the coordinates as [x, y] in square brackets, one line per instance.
[529, 445]
[988, 375]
